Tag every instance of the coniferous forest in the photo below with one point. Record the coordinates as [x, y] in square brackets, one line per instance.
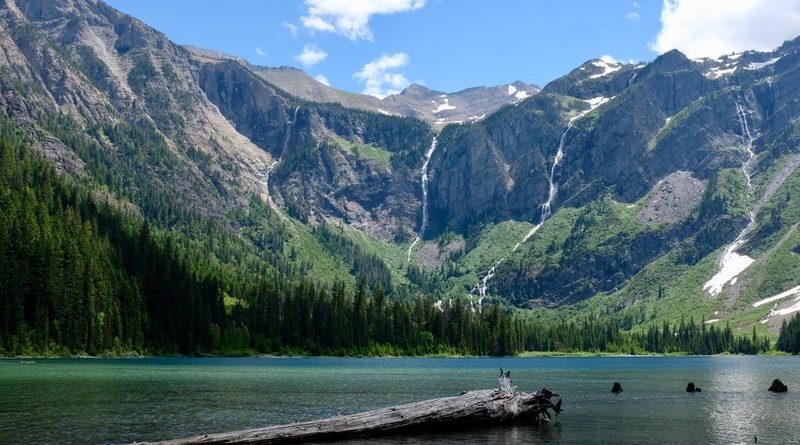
[81, 275]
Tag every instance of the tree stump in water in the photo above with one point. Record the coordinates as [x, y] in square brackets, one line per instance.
[482, 407]
[778, 386]
[691, 388]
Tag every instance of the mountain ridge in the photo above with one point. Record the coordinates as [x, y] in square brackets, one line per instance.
[649, 172]
[413, 101]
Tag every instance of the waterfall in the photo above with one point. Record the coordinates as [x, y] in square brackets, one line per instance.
[289, 126]
[482, 285]
[731, 264]
[424, 178]
[553, 191]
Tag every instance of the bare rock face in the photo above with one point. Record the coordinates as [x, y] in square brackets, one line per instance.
[111, 73]
[332, 162]
[219, 124]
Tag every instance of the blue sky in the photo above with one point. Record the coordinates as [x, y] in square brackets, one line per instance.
[379, 46]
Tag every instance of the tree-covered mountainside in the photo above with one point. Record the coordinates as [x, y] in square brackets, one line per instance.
[81, 275]
[157, 199]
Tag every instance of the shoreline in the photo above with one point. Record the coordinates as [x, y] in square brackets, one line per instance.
[524, 355]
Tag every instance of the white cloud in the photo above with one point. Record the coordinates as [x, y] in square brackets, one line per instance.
[317, 23]
[260, 52]
[633, 15]
[636, 5]
[710, 28]
[351, 17]
[380, 76]
[311, 55]
[322, 79]
[291, 27]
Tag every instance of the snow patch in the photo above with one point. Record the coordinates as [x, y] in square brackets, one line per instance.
[511, 90]
[732, 265]
[521, 95]
[787, 310]
[384, 112]
[793, 291]
[713, 320]
[759, 65]
[716, 73]
[608, 66]
[444, 106]
[597, 101]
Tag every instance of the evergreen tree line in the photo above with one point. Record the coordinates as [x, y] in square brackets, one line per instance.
[789, 338]
[80, 275]
[363, 264]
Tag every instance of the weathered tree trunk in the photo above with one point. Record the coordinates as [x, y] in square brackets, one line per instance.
[475, 407]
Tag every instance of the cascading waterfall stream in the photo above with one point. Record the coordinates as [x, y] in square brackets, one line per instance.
[269, 195]
[731, 264]
[481, 286]
[289, 126]
[424, 178]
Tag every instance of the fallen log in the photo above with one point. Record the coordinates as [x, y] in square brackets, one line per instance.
[482, 407]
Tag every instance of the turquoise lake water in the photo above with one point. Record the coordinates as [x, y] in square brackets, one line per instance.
[63, 401]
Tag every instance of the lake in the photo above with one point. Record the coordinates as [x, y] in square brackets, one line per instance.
[124, 400]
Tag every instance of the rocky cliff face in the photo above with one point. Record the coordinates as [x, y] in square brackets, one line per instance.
[649, 170]
[623, 131]
[348, 165]
[223, 128]
[110, 73]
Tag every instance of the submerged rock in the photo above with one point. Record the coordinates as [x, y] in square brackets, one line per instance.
[617, 388]
[778, 386]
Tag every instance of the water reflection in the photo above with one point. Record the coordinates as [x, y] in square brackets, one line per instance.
[735, 402]
[740, 408]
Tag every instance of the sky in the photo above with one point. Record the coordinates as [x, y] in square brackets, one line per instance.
[379, 47]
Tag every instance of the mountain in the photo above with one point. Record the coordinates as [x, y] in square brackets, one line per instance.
[473, 104]
[635, 194]
[661, 180]
[435, 107]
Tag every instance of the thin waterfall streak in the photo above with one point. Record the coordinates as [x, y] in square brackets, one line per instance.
[731, 263]
[424, 178]
[482, 285]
